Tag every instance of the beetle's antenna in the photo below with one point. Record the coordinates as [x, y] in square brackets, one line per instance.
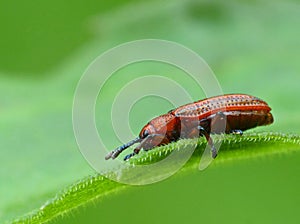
[114, 154]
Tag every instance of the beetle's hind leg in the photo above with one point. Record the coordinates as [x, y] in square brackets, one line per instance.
[209, 140]
[237, 132]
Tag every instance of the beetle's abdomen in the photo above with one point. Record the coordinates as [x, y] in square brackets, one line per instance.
[244, 120]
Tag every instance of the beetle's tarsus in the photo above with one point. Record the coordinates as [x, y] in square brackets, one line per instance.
[214, 152]
[237, 132]
[127, 157]
[135, 152]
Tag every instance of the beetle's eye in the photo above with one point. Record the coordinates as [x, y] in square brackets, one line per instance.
[145, 133]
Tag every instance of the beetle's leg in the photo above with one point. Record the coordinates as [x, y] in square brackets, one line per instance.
[135, 151]
[189, 129]
[192, 133]
[148, 143]
[219, 123]
[210, 142]
[127, 157]
[236, 132]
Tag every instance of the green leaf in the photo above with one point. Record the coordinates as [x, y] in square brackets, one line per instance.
[233, 148]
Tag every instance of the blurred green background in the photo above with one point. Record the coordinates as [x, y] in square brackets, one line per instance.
[45, 46]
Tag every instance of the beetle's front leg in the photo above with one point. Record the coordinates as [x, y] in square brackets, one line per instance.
[148, 143]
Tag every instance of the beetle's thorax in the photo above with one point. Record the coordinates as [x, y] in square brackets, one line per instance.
[161, 125]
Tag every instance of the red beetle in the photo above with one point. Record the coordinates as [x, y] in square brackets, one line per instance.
[231, 113]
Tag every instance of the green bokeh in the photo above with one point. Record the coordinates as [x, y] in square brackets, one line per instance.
[253, 47]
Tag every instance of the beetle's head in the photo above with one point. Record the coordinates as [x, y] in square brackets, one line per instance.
[147, 130]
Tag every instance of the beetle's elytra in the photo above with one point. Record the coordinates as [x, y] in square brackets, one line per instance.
[240, 112]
